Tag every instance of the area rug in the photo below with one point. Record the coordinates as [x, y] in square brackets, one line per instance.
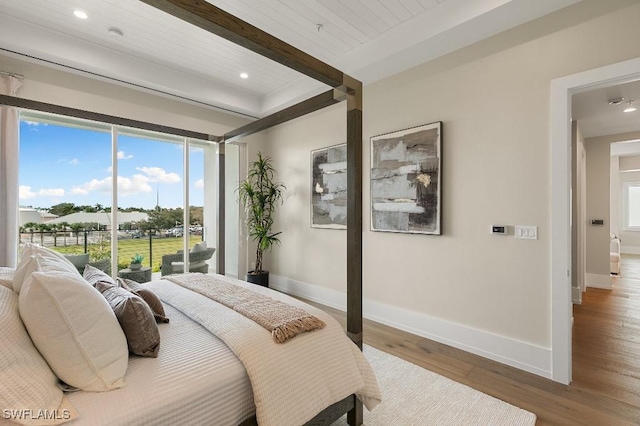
[412, 395]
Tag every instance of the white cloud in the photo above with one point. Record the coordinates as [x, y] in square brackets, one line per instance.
[74, 162]
[157, 174]
[199, 183]
[136, 184]
[51, 192]
[109, 169]
[123, 156]
[34, 123]
[25, 192]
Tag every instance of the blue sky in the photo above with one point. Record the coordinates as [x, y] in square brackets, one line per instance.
[66, 164]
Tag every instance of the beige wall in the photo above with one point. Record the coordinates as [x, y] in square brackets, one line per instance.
[598, 204]
[598, 157]
[493, 98]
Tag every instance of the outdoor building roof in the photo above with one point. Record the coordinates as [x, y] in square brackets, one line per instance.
[102, 218]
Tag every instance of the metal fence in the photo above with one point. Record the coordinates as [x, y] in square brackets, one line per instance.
[98, 243]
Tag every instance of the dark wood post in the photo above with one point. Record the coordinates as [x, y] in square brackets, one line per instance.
[354, 225]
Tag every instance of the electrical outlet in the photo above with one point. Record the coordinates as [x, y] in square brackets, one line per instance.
[525, 232]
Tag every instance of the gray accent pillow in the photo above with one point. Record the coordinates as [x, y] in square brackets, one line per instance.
[148, 296]
[95, 275]
[135, 318]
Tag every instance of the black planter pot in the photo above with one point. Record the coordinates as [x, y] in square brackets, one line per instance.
[260, 279]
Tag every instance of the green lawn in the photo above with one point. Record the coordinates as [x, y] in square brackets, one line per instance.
[128, 247]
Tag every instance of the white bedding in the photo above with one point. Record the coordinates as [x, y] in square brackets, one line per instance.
[195, 380]
[291, 381]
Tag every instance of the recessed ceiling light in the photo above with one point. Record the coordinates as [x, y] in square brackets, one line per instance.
[244, 75]
[616, 101]
[80, 14]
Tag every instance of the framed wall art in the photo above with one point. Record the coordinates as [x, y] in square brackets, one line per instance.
[406, 180]
[329, 187]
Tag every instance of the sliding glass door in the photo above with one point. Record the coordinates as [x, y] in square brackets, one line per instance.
[121, 194]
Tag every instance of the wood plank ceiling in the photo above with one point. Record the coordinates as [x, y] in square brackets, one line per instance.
[151, 34]
[161, 53]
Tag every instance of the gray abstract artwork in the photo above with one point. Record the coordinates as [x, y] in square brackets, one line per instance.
[406, 180]
[329, 187]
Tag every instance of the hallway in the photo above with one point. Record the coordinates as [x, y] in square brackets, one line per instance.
[606, 342]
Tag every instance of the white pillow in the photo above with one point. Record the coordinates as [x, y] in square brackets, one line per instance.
[75, 330]
[26, 381]
[51, 260]
[201, 246]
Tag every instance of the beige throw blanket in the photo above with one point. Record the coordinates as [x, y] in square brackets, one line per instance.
[291, 383]
[281, 319]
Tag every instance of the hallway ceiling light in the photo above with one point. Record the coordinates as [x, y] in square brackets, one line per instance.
[616, 101]
[80, 14]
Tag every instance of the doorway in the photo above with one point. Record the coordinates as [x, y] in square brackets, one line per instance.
[561, 252]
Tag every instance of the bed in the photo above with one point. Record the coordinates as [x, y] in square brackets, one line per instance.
[214, 365]
[343, 88]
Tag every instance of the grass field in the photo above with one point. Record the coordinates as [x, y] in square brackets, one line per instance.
[128, 247]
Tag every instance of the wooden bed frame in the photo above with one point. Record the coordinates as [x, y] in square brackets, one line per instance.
[225, 25]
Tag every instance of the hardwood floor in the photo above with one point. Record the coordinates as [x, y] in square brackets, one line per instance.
[606, 361]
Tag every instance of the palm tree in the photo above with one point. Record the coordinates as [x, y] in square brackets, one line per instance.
[76, 228]
[64, 226]
[54, 227]
[42, 228]
[30, 227]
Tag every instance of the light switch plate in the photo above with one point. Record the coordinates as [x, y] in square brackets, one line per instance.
[525, 232]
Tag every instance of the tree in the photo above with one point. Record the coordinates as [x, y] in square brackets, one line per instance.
[29, 227]
[196, 215]
[42, 228]
[63, 209]
[165, 218]
[77, 228]
[64, 226]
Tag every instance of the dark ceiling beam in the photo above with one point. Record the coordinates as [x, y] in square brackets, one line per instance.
[298, 110]
[215, 20]
[14, 101]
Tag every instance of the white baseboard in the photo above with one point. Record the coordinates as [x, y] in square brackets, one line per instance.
[576, 295]
[629, 249]
[518, 354]
[599, 281]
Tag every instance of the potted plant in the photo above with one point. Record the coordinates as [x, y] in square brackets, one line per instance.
[136, 262]
[260, 195]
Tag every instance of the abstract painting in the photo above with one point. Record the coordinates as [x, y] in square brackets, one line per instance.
[406, 180]
[329, 187]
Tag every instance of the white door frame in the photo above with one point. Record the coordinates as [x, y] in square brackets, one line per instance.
[560, 149]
